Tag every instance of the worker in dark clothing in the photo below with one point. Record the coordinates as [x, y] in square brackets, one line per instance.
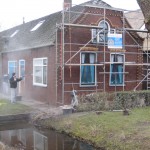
[13, 86]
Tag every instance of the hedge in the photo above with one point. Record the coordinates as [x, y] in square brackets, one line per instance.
[110, 101]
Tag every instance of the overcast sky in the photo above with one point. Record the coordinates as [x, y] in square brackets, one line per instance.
[13, 11]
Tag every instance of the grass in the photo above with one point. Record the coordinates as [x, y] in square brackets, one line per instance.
[6, 108]
[110, 130]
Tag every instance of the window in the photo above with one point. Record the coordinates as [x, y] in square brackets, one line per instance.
[22, 68]
[117, 69]
[37, 26]
[40, 71]
[112, 31]
[14, 33]
[12, 67]
[87, 72]
[101, 35]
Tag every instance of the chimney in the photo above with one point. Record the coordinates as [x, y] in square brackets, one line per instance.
[23, 20]
[67, 4]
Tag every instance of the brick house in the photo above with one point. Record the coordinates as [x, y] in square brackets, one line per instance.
[83, 47]
[139, 25]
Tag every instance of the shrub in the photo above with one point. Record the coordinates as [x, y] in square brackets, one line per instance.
[109, 101]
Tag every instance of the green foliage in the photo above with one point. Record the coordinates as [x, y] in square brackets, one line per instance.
[95, 101]
[110, 130]
[109, 101]
[128, 100]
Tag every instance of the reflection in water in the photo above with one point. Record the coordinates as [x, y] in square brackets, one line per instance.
[40, 141]
[33, 139]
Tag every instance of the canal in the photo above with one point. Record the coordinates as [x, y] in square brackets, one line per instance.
[26, 137]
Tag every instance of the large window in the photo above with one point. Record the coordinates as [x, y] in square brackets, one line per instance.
[101, 35]
[117, 69]
[12, 67]
[87, 72]
[40, 71]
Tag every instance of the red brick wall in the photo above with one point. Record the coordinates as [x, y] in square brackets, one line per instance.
[30, 91]
[82, 36]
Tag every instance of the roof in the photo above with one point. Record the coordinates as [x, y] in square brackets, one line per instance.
[137, 24]
[96, 3]
[132, 16]
[24, 36]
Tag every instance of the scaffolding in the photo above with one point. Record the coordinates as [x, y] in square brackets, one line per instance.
[62, 52]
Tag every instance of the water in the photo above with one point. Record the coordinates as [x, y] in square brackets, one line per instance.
[26, 137]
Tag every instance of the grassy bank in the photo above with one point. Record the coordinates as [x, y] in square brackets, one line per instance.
[109, 130]
[6, 108]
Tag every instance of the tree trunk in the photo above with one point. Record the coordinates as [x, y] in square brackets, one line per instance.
[145, 7]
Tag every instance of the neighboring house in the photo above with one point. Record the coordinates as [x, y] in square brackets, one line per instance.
[139, 25]
[84, 48]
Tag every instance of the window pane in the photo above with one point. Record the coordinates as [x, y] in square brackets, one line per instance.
[45, 75]
[120, 58]
[40, 71]
[38, 74]
[11, 67]
[103, 25]
[94, 35]
[87, 71]
[44, 61]
[38, 62]
[22, 67]
[103, 36]
[116, 75]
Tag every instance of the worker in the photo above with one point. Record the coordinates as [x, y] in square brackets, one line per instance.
[13, 87]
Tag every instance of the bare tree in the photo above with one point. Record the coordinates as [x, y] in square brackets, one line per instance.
[145, 7]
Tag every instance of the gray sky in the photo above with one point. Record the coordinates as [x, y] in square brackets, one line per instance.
[13, 11]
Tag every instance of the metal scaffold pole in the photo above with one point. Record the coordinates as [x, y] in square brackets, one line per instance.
[104, 67]
[62, 30]
[104, 62]
[124, 67]
[56, 65]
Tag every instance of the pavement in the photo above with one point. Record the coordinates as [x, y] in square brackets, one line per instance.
[42, 107]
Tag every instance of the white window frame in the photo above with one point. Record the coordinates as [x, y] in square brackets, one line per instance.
[34, 65]
[21, 60]
[81, 85]
[95, 36]
[123, 84]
